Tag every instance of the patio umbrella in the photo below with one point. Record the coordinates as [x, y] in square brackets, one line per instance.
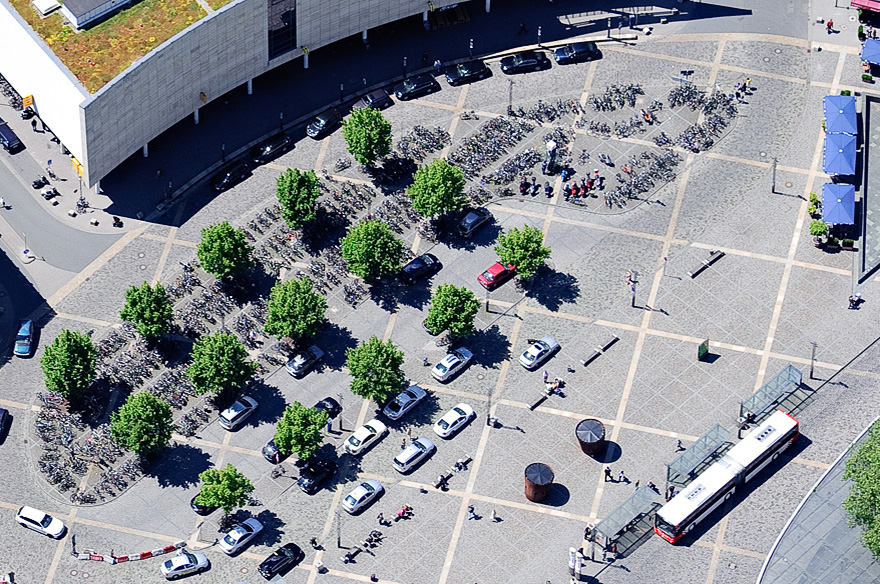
[839, 203]
[840, 154]
[840, 114]
[871, 51]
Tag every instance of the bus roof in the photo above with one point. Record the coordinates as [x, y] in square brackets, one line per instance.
[757, 441]
[707, 484]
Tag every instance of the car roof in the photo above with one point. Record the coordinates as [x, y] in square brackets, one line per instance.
[417, 391]
[327, 403]
[496, 268]
[26, 326]
[588, 46]
[31, 513]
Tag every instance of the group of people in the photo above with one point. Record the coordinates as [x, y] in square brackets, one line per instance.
[554, 386]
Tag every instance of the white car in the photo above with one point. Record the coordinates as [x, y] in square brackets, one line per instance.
[240, 535]
[365, 436]
[454, 362]
[184, 563]
[404, 402]
[453, 420]
[233, 416]
[362, 496]
[539, 352]
[40, 522]
[412, 455]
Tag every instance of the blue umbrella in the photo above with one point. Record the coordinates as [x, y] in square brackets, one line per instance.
[840, 114]
[838, 203]
[871, 51]
[840, 154]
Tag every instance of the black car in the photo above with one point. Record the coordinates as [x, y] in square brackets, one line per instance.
[577, 53]
[473, 220]
[329, 405]
[315, 473]
[281, 560]
[524, 61]
[467, 72]
[378, 99]
[272, 453]
[201, 509]
[424, 266]
[4, 421]
[229, 176]
[324, 123]
[416, 86]
[270, 148]
[8, 140]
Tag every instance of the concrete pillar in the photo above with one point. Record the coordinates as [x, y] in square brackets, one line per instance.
[98, 187]
[306, 61]
[425, 20]
[364, 37]
[488, 6]
[146, 150]
[250, 86]
[196, 116]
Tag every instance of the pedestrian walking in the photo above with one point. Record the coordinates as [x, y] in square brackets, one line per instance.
[546, 376]
[425, 362]
[34, 125]
[314, 542]
[621, 477]
[471, 514]
[409, 431]
[522, 28]
[437, 65]
[637, 485]
[829, 26]
[381, 519]
[748, 86]
[494, 516]
[2, 203]
[678, 445]
[403, 444]
[587, 532]
[607, 474]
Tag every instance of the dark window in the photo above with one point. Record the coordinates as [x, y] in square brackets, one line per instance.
[282, 27]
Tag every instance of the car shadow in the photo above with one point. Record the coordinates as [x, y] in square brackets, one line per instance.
[485, 237]
[273, 528]
[271, 404]
[180, 466]
[489, 346]
[551, 288]
[341, 339]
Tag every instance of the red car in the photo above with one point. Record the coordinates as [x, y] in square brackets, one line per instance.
[496, 275]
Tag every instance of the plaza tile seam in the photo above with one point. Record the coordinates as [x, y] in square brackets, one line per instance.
[737, 36]
[59, 550]
[169, 242]
[319, 161]
[716, 549]
[86, 319]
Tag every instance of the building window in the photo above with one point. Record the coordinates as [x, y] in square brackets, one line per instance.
[282, 27]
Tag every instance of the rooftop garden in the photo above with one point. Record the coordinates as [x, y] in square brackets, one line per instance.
[98, 54]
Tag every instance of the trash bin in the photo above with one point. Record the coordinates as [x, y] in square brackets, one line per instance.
[590, 435]
[539, 479]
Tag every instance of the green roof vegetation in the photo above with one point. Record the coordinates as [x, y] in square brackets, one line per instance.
[100, 53]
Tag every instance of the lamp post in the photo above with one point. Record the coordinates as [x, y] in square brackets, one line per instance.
[404, 67]
[539, 36]
[223, 152]
[281, 121]
[510, 98]
[341, 90]
[471, 49]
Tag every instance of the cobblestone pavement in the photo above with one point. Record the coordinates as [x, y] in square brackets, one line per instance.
[760, 306]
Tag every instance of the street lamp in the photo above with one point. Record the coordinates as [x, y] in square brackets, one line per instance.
[404, 67]
[471, 49]
[539, 35]
[510, 98]
[341, 90]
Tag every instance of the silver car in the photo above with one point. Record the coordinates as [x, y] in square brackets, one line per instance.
[185, 563]
[454, 362]
[238, 537]
[404, 402]
[300, 365]
[233, 416]
[362, 496]
[417, 451]
[538, 352]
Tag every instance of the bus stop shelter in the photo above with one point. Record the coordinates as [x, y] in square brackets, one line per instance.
[683, 469]
[764, 401]
[627, 525]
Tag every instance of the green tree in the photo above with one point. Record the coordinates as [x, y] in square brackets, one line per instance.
[524, 249]
[219, 364]
[298, 194]
[69, 364]
[437, 188]
[367, 134]
[142, 424]
[376, 369]
[299, 430]
[863, 503]
[453, 308]
[295, 310]
[149, 308]
[226, 488]
[224, 250]
[371, 250]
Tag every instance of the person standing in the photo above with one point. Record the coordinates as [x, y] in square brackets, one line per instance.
[621, 477]
[607, 473]
[381, 519]
[829, 26]
[437, 65]
[471, 513]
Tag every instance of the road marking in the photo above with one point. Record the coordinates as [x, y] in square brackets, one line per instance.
[59, 549]
[85, 319]
[18, 405]
[453, 125]
[325, 145]
[716, 549]
[164, 257]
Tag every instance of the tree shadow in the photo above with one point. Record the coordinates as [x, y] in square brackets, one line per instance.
[416, 296]
[551, 288]
[341, 339]
[485, 237]
[385, 292]
[180, 466]
[271, 404]
[273, 528]
[327, 228]
[489, 346]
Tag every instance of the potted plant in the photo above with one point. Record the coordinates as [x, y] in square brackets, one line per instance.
[847, 244]
[867, 78]
[845, 92]
[861, 33]
[832, 242]
[815, 206]
[818, 229]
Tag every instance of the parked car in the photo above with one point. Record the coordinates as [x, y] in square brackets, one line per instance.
[8, 139]
[229, 176]
[300, 365]
[281, 560]
[272, 453]
[454, 420]
[495, 275]
[524, 61]
[451, 364]
[199, 508]
[365, 436]
[473, 221]
[239, 535]
[329, 405]
[40, 522]
[538, 352]
[233, 416]
[271, 148]
[416, 86]
[185, 563]
[467, 72]
[424, 266]
[324, 123]
[315, 473]
[577, 53]
[404, 402]
[410, 457]
[24, 339]
[4, 421]
[362, 496]
[378, 99]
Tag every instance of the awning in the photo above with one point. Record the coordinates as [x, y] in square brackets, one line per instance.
[839, 203]
[840, 114]
[866, 4]
[871, 51]
[840, 154]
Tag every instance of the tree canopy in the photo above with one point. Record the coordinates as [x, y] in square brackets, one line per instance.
[224, 250]
[437, 188]
[69, 363]
[149, 308]
[371, 250]
[863, 503]
[226, 488]
[453, 308]
[524, 249]
[367, 134]
[298, 194]
[300, 430]
[295, 310]
[220, 364]
[142, 424]
[376, 369]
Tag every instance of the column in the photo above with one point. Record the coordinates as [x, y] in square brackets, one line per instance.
[146, 150]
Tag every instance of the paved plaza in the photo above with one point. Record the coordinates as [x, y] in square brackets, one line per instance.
[760, 306]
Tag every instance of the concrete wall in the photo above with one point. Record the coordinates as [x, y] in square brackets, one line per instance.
[33, 69]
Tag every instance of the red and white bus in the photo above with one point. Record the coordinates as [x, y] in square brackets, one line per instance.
[718, 482]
